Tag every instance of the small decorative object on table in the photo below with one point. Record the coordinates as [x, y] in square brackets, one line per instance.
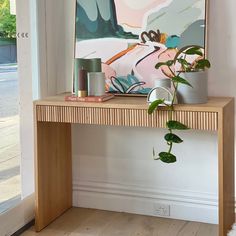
[162, 90]
[83, 66]
[181, 61]
[96, 83]
[82, 83]
[90, 65]
[89, 82]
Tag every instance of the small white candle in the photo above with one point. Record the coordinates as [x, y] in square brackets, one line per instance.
[96, 84]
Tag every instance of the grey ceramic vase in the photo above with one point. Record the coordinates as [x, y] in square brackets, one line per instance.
[196, 94]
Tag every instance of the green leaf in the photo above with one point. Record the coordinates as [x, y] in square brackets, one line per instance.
[183, 62]
[167, 63]
[170, 62]
[154, 105]
[176, 125]
[173, 138]
[181, 80]
[167, 157]
[194, 51]
[160, 64]
[202, 64]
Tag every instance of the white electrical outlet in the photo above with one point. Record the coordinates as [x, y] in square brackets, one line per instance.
[161, 209]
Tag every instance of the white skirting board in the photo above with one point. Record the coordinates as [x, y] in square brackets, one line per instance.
[184, 205]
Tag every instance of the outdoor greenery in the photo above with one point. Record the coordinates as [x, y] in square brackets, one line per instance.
[7, 21]
[172, 125]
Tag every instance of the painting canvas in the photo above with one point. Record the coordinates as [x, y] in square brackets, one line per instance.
[131, 36]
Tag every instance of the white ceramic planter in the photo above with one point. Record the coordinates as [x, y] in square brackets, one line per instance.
[162, 90]
[196, 94]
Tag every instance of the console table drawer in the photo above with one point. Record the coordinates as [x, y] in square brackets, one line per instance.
[125, 117]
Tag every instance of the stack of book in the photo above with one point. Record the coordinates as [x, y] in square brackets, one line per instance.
[103, 98]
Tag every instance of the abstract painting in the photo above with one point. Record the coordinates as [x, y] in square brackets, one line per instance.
[132, 36]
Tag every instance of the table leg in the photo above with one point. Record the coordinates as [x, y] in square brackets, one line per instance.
[226, 169]
[53, 169]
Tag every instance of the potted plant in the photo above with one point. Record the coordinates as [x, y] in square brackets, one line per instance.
[177, 80]
[193, 65]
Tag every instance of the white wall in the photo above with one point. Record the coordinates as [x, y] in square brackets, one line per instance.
[113, 167]
[55, 37]
[222, 48]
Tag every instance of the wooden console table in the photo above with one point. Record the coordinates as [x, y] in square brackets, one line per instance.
[53, 119]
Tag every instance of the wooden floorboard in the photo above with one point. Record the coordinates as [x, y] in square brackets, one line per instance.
[89, 222]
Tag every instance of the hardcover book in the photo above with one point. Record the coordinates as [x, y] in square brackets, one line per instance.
[103, 98]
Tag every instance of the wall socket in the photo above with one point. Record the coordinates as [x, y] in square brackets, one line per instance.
[161, 209]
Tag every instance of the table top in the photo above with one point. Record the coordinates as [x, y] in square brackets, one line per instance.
[214, 104]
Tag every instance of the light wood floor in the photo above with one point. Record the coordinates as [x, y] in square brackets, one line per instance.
[88, 222]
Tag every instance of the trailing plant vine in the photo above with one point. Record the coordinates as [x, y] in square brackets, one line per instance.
[173, 125]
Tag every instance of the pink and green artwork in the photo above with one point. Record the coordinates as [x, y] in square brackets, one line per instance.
[131, 36]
